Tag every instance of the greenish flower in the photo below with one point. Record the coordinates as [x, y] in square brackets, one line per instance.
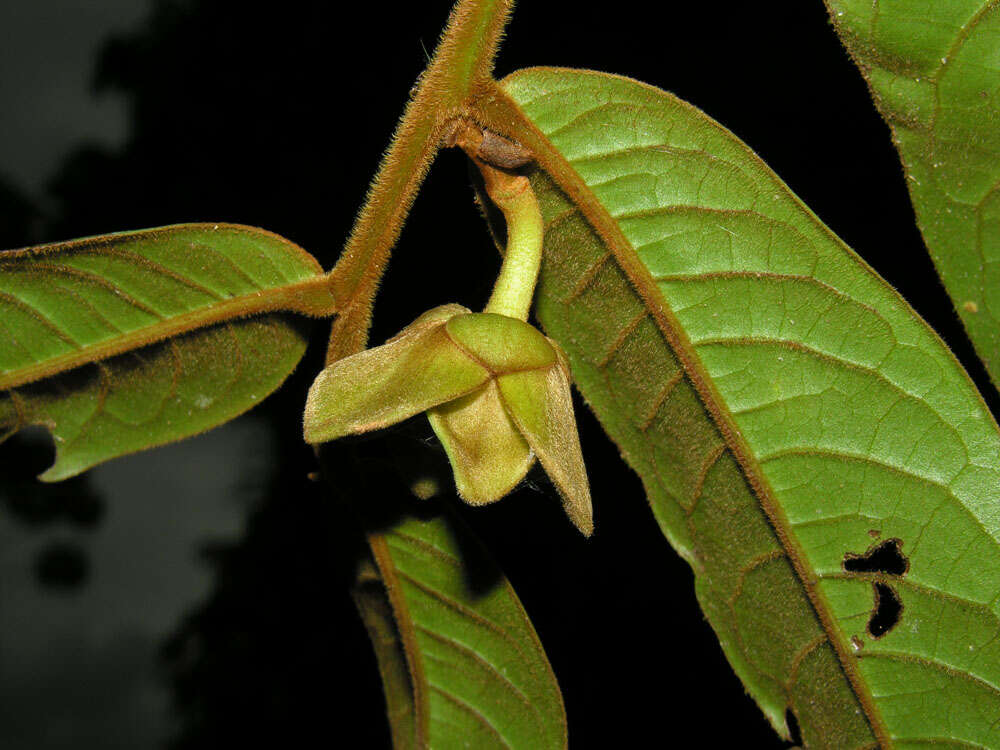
[496, 392]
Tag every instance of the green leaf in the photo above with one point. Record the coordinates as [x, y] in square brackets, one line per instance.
[127, 341]
[934, 71]
[787, 411]
[460, 661]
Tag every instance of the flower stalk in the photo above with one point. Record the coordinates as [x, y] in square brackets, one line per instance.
[515, 286]
[495, 390]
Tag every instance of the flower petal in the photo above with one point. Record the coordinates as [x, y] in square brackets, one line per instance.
[434, 316]
[540, 404]
[487, 453]
[381, 386]
[503, 344]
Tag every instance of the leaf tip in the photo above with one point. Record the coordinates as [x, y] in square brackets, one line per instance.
[61, 469]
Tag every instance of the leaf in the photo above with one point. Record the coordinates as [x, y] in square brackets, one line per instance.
[788, 412]
[127, 341]
[460, 661]
[484, 678]
[934, 71]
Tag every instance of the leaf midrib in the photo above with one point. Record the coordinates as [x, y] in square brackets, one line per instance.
[395, 581]
[305, 297]
[382, 555]
[504, 116]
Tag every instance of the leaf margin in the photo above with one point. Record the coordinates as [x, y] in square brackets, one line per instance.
[311, 297]
[504, 115]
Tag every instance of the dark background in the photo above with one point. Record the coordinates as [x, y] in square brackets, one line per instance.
[276, 115]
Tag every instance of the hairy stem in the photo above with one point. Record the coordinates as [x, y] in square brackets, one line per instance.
[459, 71]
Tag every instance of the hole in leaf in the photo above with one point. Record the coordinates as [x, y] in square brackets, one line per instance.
[794, 733]
[888, 609]
[886, 558]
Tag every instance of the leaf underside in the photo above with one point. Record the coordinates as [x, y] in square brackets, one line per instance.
[785, 409]
[127, 341]
[487, 682]
[460, 661]
[934, 71]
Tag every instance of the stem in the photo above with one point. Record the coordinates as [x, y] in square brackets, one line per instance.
[515, 286]
[460, 70]
[458, 73]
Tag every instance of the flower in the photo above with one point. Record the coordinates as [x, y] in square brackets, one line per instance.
[496, 392]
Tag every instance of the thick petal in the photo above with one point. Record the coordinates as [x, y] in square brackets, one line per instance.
[486, 451]
[503, 344]
[381, 386]
[434, 316]
[540, 404]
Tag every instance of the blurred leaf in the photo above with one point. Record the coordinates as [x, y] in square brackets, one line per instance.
[482, 679]
[934, 71]
[126, 341]
[461, 664]
[806, 442]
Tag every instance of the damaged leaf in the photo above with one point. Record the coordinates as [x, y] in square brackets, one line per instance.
[780, 401]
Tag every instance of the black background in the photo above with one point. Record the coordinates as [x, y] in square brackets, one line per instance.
[276, 115]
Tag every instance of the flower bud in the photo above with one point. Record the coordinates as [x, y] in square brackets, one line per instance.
[496, 392]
